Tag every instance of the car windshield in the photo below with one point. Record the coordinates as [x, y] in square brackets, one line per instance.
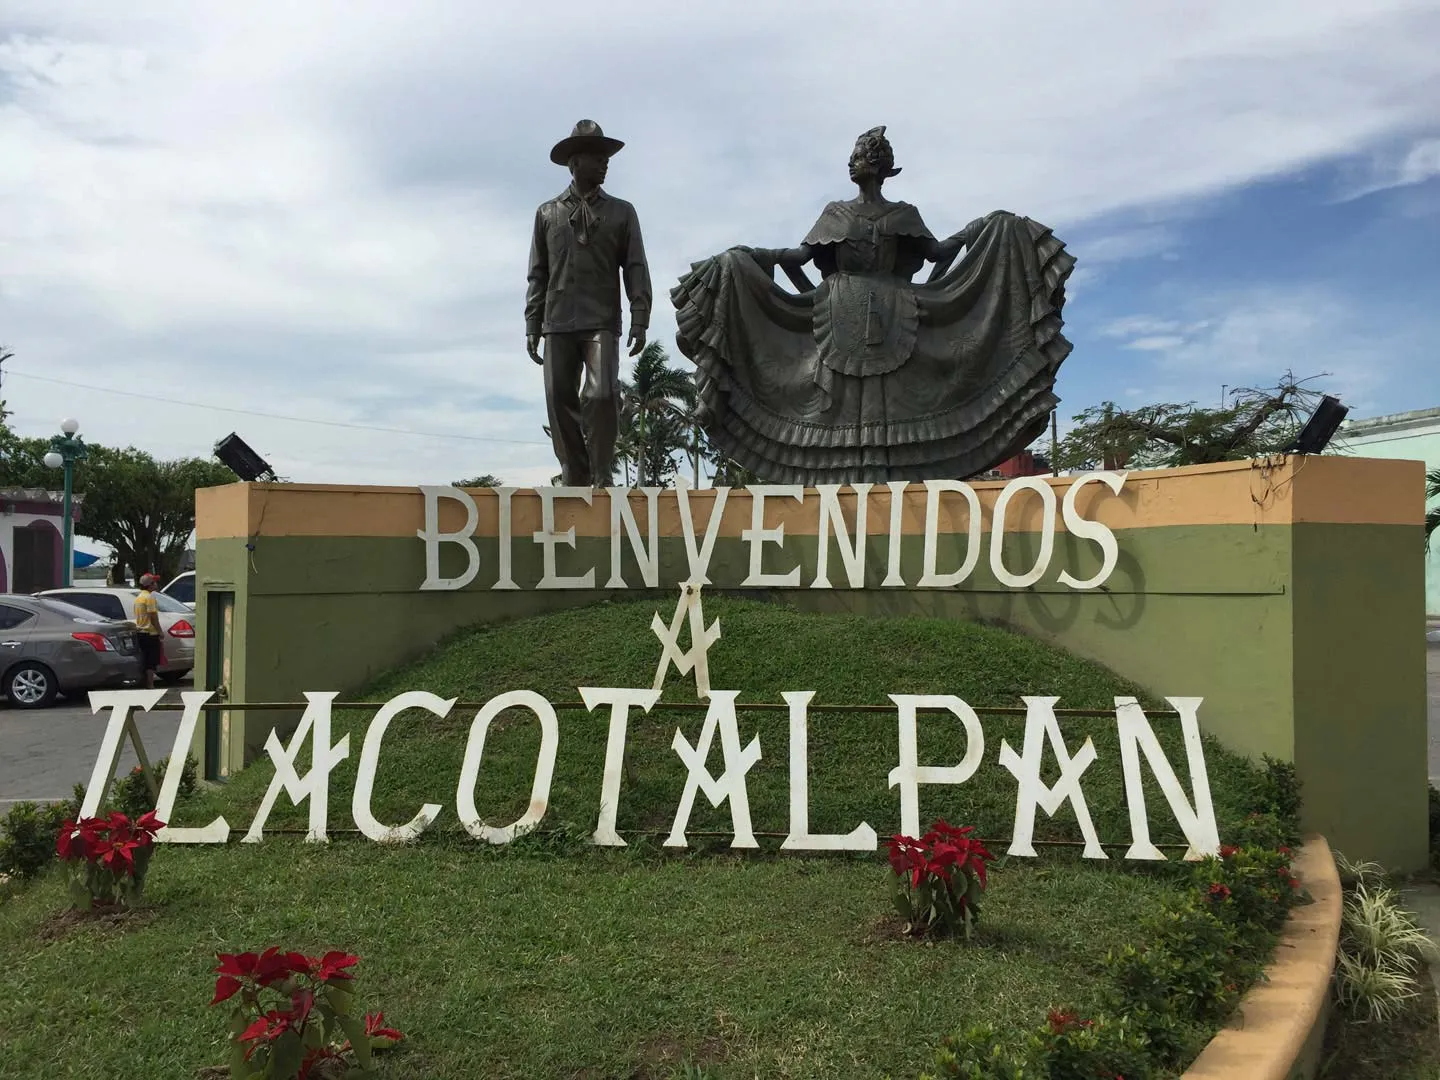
[165, 602]
[69, 611]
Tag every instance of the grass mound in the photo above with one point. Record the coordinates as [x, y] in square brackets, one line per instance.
[550, 959]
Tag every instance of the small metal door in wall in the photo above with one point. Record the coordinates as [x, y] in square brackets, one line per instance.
[219, 651]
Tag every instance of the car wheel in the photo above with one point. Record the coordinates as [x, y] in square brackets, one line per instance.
[170, 678]
[30, 686]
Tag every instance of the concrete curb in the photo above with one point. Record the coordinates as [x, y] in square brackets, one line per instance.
[1277, 1031]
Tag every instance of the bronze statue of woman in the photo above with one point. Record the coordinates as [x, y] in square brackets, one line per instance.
[869, 376]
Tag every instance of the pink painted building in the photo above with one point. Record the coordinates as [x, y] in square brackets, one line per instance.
[31, 543]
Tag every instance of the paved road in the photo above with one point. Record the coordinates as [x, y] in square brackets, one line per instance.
[44, 753]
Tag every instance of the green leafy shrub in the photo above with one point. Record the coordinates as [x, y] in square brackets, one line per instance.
[1069, 1048]
[1280, 796]
[131, 794]
[976, 1054]
[28, 834]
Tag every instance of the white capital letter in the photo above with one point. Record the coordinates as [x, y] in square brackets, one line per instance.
[506, 579]
[860, 838]
[218, 831]
[910, 774]
[619, 701]
[731, 784]
[1040, 724]
[544, 766]
[1198, 822]
[316, 783]
[757, 535]
[852, 555]
[365, 820]
[649, 561]
[547, 538]
[931, 578]
[1047, 532]
[1092, 530]
[119, 702]
[699, 557]
[897, 524]
[433, 538]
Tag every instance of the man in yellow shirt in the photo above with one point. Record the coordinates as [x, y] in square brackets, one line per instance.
[147, 621]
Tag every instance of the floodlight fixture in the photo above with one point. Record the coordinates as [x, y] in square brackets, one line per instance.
[1321, 427]
[244, 462]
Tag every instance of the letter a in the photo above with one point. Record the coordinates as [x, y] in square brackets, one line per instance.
[731, 784]
[1039, 724]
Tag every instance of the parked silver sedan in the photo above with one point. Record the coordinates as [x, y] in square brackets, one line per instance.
[117, 603]
[48, 647]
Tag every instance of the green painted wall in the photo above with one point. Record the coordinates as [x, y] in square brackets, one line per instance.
[1275, 626]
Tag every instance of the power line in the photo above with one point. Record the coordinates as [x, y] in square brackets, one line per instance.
[275, 416]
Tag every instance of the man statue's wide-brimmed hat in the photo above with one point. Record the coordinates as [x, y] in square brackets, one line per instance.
[587, 138]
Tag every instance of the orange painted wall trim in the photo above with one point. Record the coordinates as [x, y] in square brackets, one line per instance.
[1278, 491]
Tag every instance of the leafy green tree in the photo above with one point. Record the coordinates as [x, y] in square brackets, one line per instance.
[141, 507]
[482, 481]
[144, 508]
[657, 417]
[1253, 423]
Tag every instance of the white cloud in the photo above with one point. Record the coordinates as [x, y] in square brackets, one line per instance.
[1156, 343]
[322, 209]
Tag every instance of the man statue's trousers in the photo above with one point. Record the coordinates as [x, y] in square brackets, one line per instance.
[584, 417]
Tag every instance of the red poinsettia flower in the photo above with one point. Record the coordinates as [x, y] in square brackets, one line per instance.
[332, 966]
[267, 1028]
[265, 968]
[1063, 1020]
[68, 844]
[1283, 850]
[147, 824]
[379, 1035]
[1228, 851]
[1219, 893]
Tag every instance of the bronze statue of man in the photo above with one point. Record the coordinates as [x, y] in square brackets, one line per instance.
[586, 242]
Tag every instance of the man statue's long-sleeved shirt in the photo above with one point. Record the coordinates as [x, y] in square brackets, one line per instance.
[581, 250]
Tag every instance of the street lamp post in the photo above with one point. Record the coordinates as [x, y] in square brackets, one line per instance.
[66, 449]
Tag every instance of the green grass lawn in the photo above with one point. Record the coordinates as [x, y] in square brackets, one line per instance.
[550, 959]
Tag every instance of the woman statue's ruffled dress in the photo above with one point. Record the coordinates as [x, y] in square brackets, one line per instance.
[868, 376]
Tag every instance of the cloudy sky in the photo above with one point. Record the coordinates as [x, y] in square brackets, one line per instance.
[308, 222]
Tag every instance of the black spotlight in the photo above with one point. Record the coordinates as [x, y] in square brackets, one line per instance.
[241, 460]
[1321, 427]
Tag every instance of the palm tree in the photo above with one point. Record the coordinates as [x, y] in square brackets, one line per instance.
[656, 415]
[1432, 515]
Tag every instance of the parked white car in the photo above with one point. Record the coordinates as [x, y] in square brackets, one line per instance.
[118, 603]
[182, 588]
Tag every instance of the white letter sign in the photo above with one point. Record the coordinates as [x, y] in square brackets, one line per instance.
[1039, 724]
[365, 820]
[910, 774]
[757, 536]
[547, 538]
[544, 766]
[731, 784]
[1075, 525]
[433, 538]
[860, 838]
[930, 577]
[1198, 822]
[316, 784]
[619, 702]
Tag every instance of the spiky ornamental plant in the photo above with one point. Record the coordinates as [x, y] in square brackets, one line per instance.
[1378, 967]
